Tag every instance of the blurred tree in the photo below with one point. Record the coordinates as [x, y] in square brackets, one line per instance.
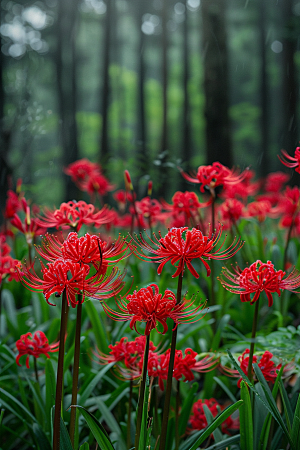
[290, 137]
[264, 166]
[218, 139]
[65, 59]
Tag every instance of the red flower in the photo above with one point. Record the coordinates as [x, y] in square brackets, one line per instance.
[81, 169]
[211, 177]
[268, 367]
[12, 205]
[180, 246]
[148, 305]
[35, 346]
[29, 227]
[231, 210]
[257, 278]
[87, 249]
[198, 419]
[7, 263]
[75, 214]
[290, 161]
[67, 275]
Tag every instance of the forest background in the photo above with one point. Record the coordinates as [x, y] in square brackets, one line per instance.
[146, 86]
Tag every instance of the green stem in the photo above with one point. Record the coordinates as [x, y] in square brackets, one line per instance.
[254, 327]
[164, 427]
[60, 373]
[177, 416]
[129, 416]
[141, 396]
[35, 370]
[75, 370]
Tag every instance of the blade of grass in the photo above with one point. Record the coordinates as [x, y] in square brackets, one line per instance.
[216, 422]
[41, 438]
[97, 429]
[225, 389]
[186, 409]
[296, 426]
[209, 417]
[246, 422]
[65, 441]
[287, 406]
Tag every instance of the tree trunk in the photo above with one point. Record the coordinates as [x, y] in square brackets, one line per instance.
[66, 84]
[218, 139]
[290, 135]
[264, 166]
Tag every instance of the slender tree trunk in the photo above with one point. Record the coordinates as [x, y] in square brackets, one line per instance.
[143, 156]
[186, 149]
[163, 170]
[104, 145]
[218, 139]
[66, 85]
[264, 166]
[290, 137]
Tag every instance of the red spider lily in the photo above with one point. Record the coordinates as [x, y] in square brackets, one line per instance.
[148, 305]
[275, 181]
[243, 188]
[7, 263]
[198, 419]
[257, 278]
[96, 182]
[180, 246]
[29, 227]
[291, 161]
[75, 214]
[231, 210]
[259, 209]
[149, 208]
[35, 346]
[268, 367]
[12, 205]
[211, 177]
[66, 275]
[288, 206]
[125, 351]
[80, 170]
[87, 249]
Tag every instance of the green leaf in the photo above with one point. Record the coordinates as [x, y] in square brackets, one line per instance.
[215, 423]
[264, 435]
[50, 391]
[97, 326]
[296, 426]
[11, 397]
[65, 441]
[225, 444]
[96, 428]
[84, 446]
[271, 402]
[41, 438]
[246, 423]
[89, 389]
[186, 409]
[287, 406]
[209, 417]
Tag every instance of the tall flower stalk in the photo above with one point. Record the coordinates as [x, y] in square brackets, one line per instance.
[141, 395]
[60, 372]
[75, 372]
[164, 427]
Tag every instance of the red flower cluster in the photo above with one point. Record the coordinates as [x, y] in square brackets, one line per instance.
[74, 215]
[89, 177]
[149, 306]
[198, 419]
[70, 266]
[35, 346]
[180, 246]
[216, 175]
[257, 278]
[7, 263]
[131, 353]
[268, 367]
